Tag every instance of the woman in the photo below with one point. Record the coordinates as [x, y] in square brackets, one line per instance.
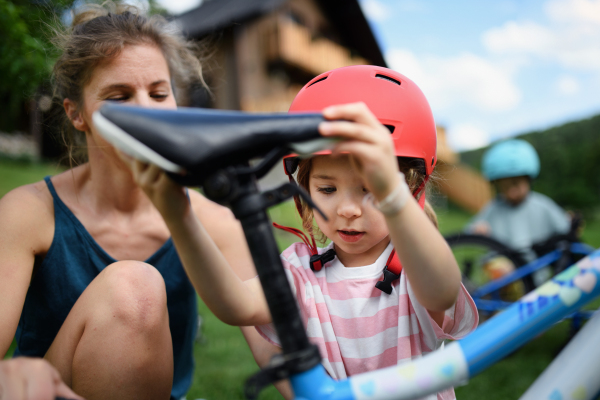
[89, 277]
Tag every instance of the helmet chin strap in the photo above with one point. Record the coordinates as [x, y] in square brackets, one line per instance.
[421, 199]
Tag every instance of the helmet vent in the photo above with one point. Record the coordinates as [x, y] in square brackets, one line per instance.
[391, 128]
[319, 80]
[387, 78]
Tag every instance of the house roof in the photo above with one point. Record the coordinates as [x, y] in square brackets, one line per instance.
[346, 15]
[214, 15]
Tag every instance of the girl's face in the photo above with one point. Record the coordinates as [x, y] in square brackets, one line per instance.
[359, 231]
[138, 76]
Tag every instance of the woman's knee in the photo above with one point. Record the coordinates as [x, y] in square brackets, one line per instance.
[136, 294]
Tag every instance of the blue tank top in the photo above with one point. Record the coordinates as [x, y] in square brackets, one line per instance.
[72, 262]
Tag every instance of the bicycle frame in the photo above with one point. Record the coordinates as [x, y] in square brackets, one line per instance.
[493, 287]
[582, 355]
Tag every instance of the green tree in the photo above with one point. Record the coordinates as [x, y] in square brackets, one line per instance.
[26, 55]
[26, 51]
[570, 161]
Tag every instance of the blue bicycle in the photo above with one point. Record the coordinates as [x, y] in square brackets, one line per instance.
[212, 149]
[496, 275]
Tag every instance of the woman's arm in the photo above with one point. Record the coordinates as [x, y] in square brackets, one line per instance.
[232, 300]
[227, 233]
[26, 229]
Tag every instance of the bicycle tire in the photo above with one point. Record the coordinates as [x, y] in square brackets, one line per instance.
[472, 269]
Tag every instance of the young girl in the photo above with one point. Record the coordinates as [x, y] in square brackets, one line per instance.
[372, 213]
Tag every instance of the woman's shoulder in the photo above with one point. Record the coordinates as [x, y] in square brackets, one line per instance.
[37, 196]
[27, 212]
[34, 198]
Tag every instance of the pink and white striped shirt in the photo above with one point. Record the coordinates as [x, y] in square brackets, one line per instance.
[357, 327]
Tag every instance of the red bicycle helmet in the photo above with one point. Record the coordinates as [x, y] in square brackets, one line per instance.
[394, 99]
[398, 103]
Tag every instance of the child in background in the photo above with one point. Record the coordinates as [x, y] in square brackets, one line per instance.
[518, 217]
[375, 221]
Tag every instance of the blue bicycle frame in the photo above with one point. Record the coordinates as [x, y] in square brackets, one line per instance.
[492, 288]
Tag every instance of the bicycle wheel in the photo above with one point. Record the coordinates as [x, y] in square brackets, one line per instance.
[482, 260]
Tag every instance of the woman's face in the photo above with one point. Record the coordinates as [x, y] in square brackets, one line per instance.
[358, 230]
[138, 76]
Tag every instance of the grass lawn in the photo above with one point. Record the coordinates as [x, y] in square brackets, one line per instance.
[16, 173]
[223, 361]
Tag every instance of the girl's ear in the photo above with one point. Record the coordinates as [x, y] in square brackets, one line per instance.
[74, 115]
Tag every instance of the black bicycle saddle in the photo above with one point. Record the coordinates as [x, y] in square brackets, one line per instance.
[200, 141]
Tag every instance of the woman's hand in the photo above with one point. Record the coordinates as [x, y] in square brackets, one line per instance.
[369, 143]
[32, 379]
[167, 196]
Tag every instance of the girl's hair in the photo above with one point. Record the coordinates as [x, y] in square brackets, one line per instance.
[100, 32]
[429, 211]
[411, 168]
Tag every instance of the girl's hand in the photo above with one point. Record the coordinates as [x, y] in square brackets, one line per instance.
[167, 196]
[481, 228]
[368, 142]
[32, 379]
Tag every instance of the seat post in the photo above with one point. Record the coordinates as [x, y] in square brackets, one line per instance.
[265, 254]
[249, 205]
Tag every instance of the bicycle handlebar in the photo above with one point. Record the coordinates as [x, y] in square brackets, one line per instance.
[572, 236]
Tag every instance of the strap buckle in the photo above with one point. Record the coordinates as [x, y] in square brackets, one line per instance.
[386, 284]
[317, 261]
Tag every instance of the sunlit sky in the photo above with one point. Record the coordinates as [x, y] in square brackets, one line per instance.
[490, 69]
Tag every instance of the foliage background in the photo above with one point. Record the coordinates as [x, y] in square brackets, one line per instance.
[27, 53]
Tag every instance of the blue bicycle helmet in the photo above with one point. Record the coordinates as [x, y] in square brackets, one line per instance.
[511, 158]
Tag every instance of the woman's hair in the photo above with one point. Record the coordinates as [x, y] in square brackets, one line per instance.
[100, 32]
[411, 168]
